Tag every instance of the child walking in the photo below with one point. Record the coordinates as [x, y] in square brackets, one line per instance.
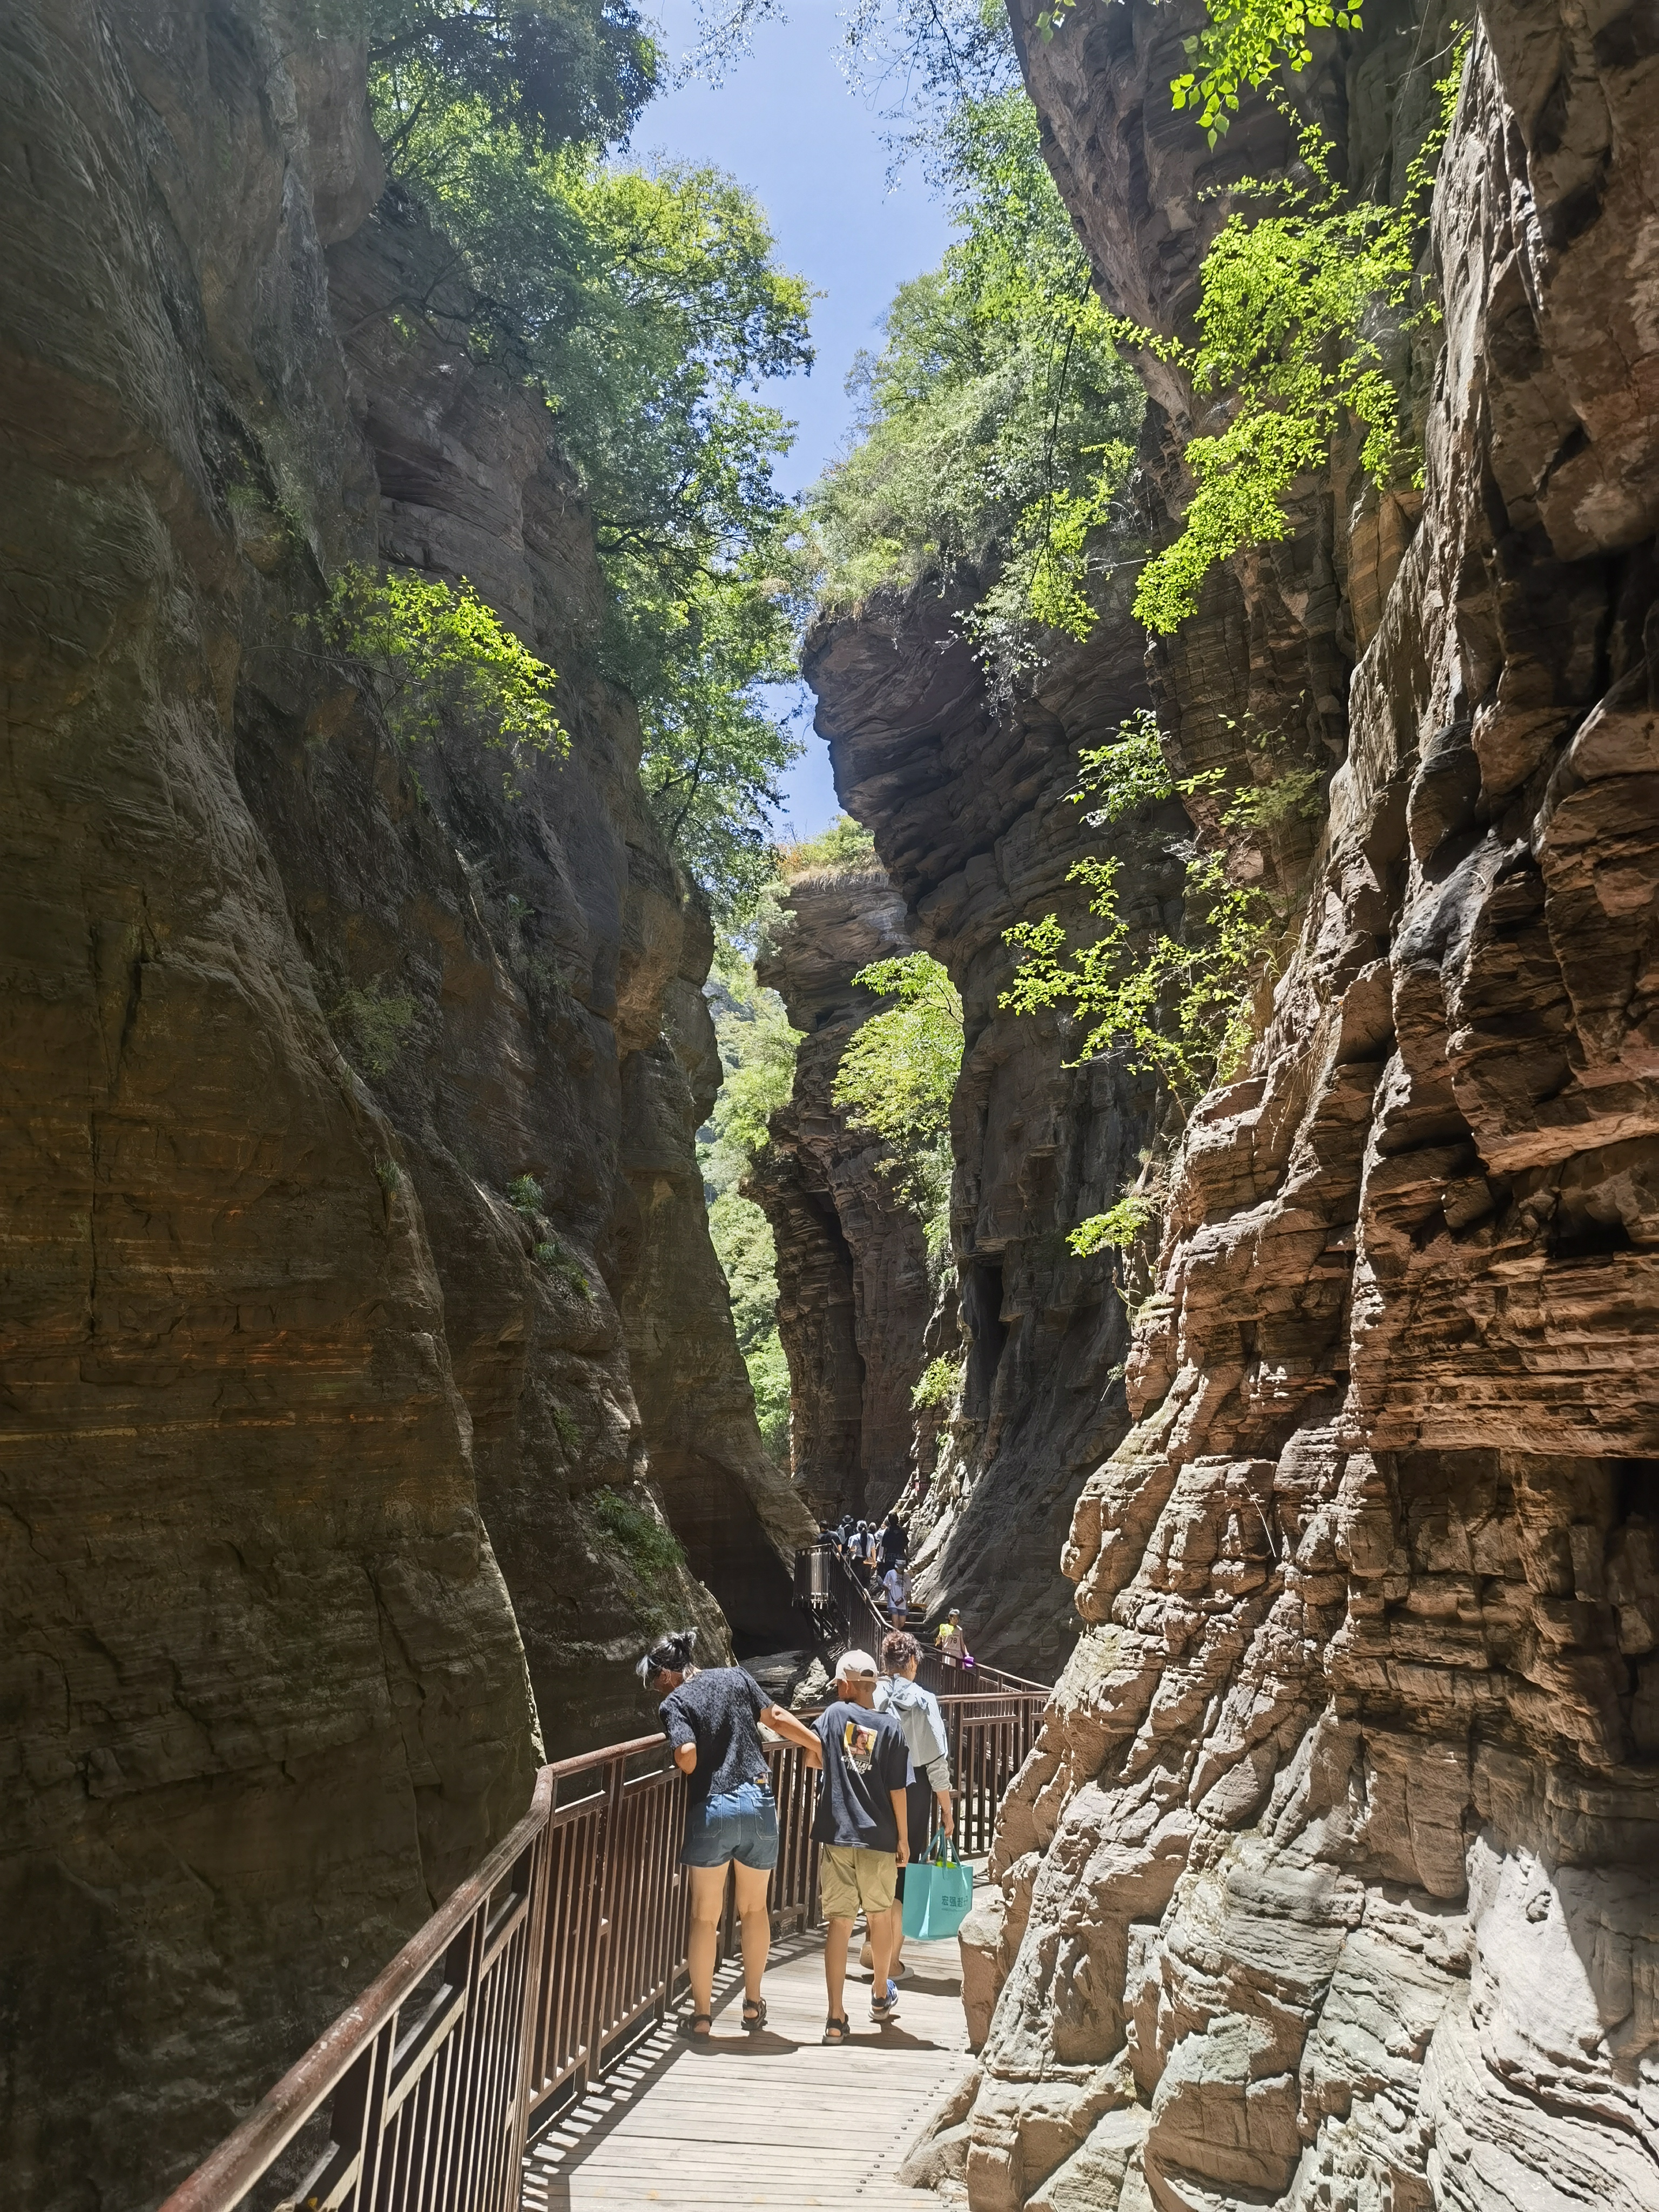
[860, 1827]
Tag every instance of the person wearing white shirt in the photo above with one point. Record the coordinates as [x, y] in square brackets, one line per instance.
[896, 1583]
[928, 1800]
[951, 1643]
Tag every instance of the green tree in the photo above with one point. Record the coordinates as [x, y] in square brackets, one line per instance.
[997, 422]
[649, 307]
[898, 1076]
[563, 72]
[758, 1053]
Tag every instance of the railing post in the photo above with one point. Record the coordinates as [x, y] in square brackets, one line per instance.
[356, 2113]
[609, 1826]
[541, 1858]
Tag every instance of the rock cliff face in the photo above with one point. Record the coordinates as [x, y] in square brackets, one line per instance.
[562, 1035]
[854, 1298]
[311, 1436]
[967, 800]
[1331, 1880]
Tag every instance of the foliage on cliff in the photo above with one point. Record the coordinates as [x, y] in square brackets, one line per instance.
[1302, 294]
[424, 651]
[996, 421]
[1244, 43]
[649, 305]
[845, 844]
[1178, 1004]
[758, 1052]
[994, 435]
[897, 1077]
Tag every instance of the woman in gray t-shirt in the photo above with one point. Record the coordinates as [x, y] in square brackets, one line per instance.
[712, 1719]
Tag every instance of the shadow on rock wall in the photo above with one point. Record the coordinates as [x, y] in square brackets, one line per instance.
[286, 1022]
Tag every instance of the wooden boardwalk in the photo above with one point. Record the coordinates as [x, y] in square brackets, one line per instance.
[775, 2119]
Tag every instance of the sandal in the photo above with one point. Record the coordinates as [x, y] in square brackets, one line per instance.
[690, 2021]
[756, 2007]
[885, 2010]
[837, 2030]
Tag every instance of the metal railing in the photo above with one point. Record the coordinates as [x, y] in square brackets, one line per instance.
[843, 1609]
[536, 1975]
[989, 1739]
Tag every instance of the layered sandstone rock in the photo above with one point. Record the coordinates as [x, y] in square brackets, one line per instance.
[1331, 1880]
[568, 1041]
[285, 1021]
[854, 1295]
[967, 799]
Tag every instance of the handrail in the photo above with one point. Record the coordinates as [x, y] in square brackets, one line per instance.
[250, 2150]
[540, 1967]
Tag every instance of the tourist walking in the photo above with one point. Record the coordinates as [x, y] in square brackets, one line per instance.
[861, 1828]
[712, 1719]
[949, 1640]
[927, 1797]
[864, 1551]
[896, 1585]
[892, 1546]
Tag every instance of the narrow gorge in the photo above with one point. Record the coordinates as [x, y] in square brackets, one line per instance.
[374, 1385]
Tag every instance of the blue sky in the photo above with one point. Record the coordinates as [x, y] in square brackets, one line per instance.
[784, 124]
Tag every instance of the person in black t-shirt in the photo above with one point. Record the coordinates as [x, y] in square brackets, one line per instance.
[712, 1720]
[861, 1830]
[892, 1546]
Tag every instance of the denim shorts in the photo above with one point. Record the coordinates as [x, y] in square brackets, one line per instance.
[740, 1825]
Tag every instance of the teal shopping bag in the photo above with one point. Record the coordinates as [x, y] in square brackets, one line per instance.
[938, 1892]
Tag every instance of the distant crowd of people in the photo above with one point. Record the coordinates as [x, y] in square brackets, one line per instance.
[881, 1749]
[879, 1557]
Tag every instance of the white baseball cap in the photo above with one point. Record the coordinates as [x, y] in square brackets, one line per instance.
[855, 1662]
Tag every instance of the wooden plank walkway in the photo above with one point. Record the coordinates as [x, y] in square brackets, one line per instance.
[775, 2119]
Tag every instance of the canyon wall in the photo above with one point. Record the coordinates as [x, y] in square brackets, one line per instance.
[326, 1434]
[853, 1294]
[1331, 1880]
[967, 796]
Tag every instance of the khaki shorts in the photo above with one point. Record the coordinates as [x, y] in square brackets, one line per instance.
[851, 1881]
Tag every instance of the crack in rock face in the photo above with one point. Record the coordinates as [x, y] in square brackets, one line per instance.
[854, 1300]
